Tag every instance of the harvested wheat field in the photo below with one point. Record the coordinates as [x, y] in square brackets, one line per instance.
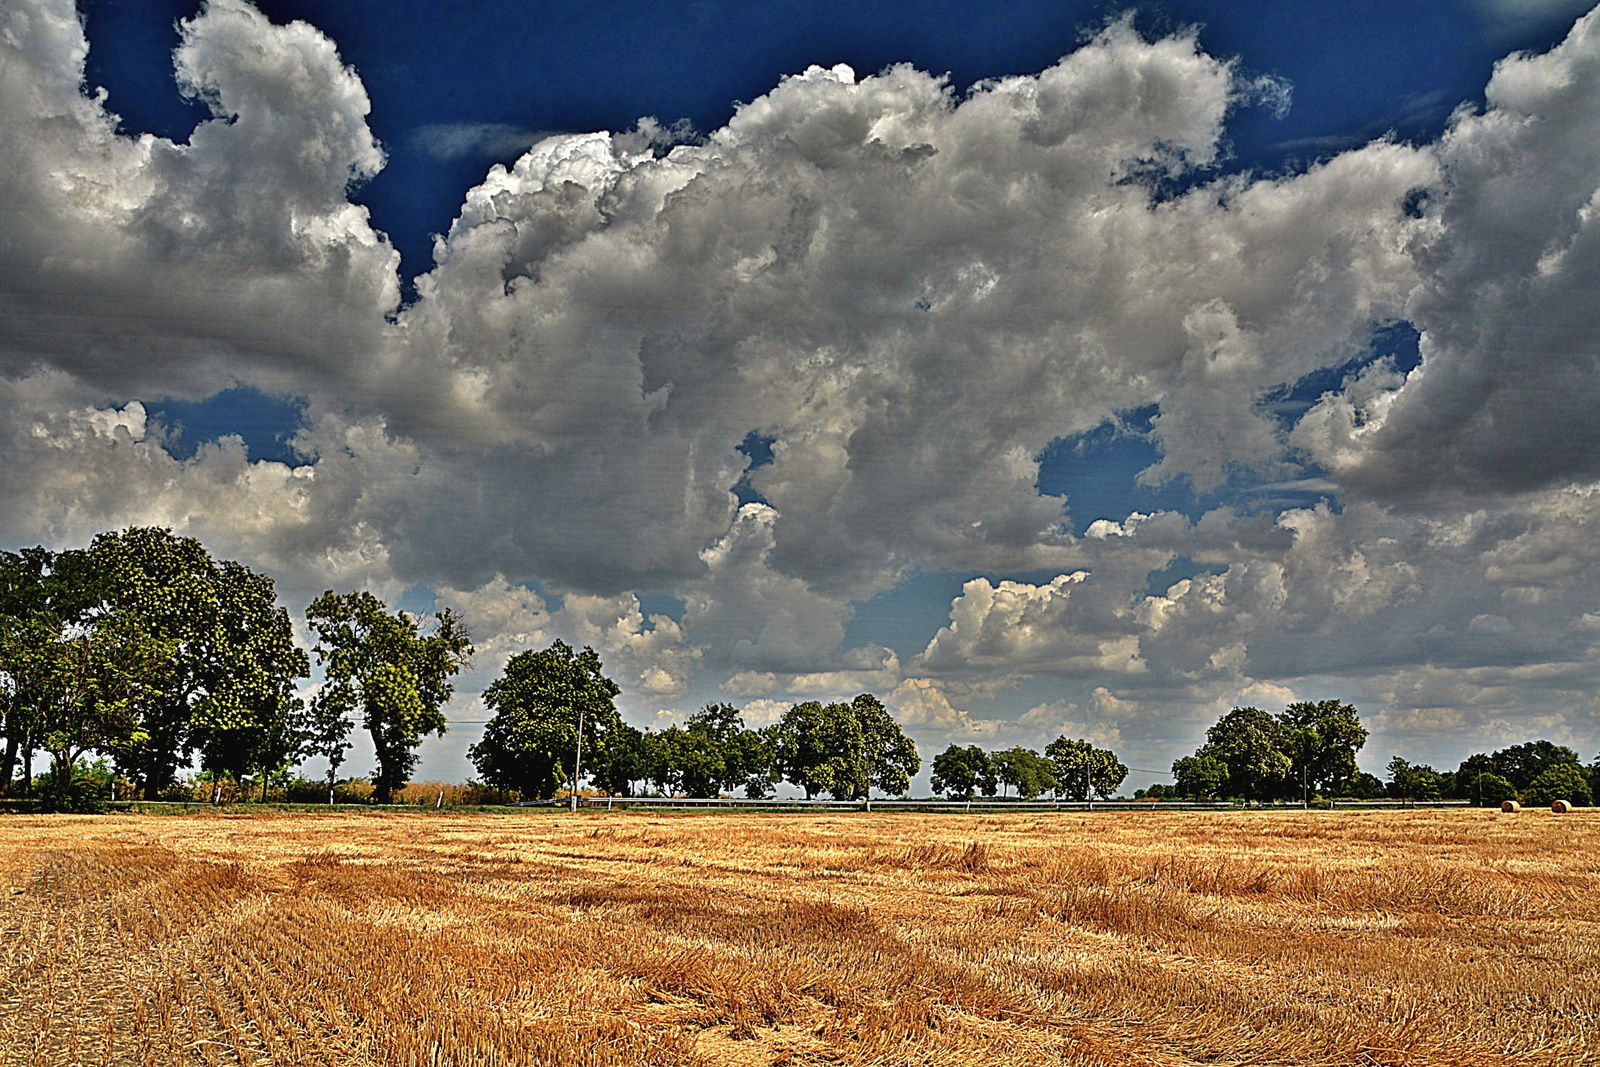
[1324, 938]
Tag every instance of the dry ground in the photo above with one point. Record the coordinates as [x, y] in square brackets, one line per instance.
[1325, 938]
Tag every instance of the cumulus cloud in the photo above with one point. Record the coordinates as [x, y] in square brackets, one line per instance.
[1507, 302]
[910, 292]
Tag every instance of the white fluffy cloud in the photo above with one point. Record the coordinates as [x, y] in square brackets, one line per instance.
[911, 291]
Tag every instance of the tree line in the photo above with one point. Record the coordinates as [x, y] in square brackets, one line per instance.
[1069, 769]
[554, 717]
[1309, 750]
[145, 650]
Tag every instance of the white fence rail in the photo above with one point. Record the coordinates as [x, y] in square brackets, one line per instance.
[979, 806]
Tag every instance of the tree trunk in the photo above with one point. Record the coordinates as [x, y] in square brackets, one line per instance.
[7, 763]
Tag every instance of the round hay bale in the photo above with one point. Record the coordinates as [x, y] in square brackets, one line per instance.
[1510, 806]
[1561, 807]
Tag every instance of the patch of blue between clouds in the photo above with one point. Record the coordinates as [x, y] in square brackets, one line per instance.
[1097, 472]
[757, 448]
[666, 604]
[266, 423]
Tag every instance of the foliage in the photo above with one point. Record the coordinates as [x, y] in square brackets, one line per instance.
[1365, 786]
[386, 667]
[1245, 741]
[1024, 770]
[722, 754]
[1079, 765]
[1415, 781]
[959, 772]
[538, 703]
[1321, 740]
[842, 749]
[1561, 781]
[1489, 790]
[1199, 776]
[231, 693]
[1518, 764]
[625, 761]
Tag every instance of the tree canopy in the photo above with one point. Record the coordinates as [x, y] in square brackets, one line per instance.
[531, 740]
[842, 749]
[960, 772]
[388, 669]
[1082, 770]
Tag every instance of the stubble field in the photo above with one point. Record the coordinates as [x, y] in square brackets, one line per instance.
[1324, 938]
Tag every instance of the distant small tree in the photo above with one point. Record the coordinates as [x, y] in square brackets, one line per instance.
[960, 772]
[1561, 781]
[1365, 786]
[1024, 770]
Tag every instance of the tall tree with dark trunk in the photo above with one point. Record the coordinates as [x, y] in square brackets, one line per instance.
[235, 664]
[388, 668]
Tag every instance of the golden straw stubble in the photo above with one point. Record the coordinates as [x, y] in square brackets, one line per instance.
[1159, 938]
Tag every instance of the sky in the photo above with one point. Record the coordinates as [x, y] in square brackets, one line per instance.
[1042, 368]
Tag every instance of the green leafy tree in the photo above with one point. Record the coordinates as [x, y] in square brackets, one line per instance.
[1561, 781]
[960, 772]
[891, 756]
[686, 761]
[625, 761]
[1024, 770]
[1489, 790]
[1416, 781]
[1081, 767]
[1523, 763]
[741, 757]
[394, 673]
[40, 593]
[1464, 784]
[819, 749]
[1321, 740]
[1365, 786]
[538, 702]
[842, 749]
[328, 727]
[231, 690]
[1246, 741]
[1199, 776]
[92, 679]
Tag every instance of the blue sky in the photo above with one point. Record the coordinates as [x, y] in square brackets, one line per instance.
[1171, 359]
